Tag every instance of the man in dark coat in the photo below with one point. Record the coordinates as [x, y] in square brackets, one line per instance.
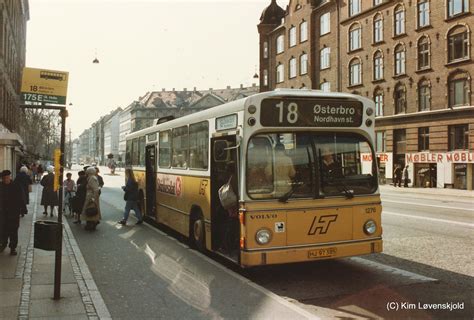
[11, 204]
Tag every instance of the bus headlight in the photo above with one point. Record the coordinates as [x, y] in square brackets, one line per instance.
[370, 227]
[263, 236]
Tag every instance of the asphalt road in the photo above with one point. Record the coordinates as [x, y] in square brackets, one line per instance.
[142, 272]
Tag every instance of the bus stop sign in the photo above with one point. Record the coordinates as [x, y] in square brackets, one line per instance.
[41, 85]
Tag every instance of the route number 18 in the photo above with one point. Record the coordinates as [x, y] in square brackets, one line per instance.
[291, 116]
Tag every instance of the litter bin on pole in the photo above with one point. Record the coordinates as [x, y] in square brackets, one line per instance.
[48, 235]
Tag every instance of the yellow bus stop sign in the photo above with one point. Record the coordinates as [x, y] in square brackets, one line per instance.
[57, 168]
[41, 85]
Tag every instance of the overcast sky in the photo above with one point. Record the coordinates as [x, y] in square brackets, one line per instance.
[142, 45]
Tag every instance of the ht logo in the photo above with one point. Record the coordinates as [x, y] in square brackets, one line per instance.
[321, 226]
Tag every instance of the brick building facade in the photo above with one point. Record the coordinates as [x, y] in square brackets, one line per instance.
[13, 18]
[412, 57]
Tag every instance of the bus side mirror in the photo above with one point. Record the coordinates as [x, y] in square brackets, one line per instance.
[221, 152]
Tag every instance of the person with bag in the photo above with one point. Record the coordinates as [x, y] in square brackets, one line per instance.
[49, 197]
[24, 181]
[131, 198]
[91, 210]
[80, 197]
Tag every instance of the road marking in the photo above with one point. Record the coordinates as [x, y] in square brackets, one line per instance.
[428, 205]
[393, 270]
[464, 224]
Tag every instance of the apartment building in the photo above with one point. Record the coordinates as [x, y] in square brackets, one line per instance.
[412, 57]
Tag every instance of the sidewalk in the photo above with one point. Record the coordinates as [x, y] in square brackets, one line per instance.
[27, 280]
[430, 191]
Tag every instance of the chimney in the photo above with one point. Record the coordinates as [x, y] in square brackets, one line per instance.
[185, 89]
[228, 87]
[163, 89]
[241, 86]
[194, 89]
[210, 89]
[174, 90]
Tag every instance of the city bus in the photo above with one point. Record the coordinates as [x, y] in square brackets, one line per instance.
[299, 163]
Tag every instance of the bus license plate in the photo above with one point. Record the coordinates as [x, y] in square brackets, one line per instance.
[321, 253]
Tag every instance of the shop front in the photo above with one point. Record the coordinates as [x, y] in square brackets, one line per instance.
[442, 169]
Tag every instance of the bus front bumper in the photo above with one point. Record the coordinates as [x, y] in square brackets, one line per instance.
[301, 254]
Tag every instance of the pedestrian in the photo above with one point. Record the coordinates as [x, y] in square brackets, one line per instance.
[80, 197]
[69, 186]
[34, 171]
[398, 176]
[131, 198]
[39, 172]
[99, 178]
[24, 181]
[11, 204]
[405, 177]
[91, 210]
[49, 197]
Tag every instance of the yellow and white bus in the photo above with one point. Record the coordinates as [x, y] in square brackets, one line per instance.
[300, 162]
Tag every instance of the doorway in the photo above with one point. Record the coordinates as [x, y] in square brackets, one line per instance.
[225, 222]
[150, 163]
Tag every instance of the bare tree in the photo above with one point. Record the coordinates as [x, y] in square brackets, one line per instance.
[41, 132]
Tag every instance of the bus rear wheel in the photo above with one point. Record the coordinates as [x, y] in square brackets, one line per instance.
[198, 235]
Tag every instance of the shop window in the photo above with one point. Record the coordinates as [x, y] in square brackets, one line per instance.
[423, 139]
[458, 136]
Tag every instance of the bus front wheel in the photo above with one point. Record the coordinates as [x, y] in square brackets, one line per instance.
[198, 236]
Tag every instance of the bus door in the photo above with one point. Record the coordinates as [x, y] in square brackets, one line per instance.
[225, 222]
[150, 162]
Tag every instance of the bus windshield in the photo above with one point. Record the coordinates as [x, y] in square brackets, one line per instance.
[309, 165]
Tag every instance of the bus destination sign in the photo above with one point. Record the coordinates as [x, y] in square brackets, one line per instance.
[288, 112]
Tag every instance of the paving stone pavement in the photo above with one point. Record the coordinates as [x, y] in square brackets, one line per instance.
[27, 280]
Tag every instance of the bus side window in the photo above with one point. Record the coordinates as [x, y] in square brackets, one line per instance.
[164, 150]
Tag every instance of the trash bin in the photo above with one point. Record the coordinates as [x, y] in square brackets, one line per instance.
[48, 235]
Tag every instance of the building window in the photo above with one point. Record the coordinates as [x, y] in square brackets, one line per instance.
[303, 31]
[400, 99]
[423, 53]
[325, 23]
[380, 142]
[459, 93]
[354, 7]
[325, 55]
[355, 33]
[265, 77]
[378, 65]
[399, 60]
[292, 68]
[423, 139]
[423, 13]
[280, 43]
[458, 136]
[424, 96]
[456, 7]
[378, 28]
[265, 50]
[292, 36]
[326, 86]
[355, 71]
[280, 73]
[399, 20]
[304, 63]
[458, 44]
[378, 99]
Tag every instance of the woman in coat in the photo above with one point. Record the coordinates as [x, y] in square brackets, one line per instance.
[92, 200]
[49, 197]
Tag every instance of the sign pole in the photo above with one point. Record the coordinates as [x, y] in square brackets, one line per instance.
[59, 250]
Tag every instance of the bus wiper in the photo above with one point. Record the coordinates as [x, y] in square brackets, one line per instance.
[294, 186]
[341, 186]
